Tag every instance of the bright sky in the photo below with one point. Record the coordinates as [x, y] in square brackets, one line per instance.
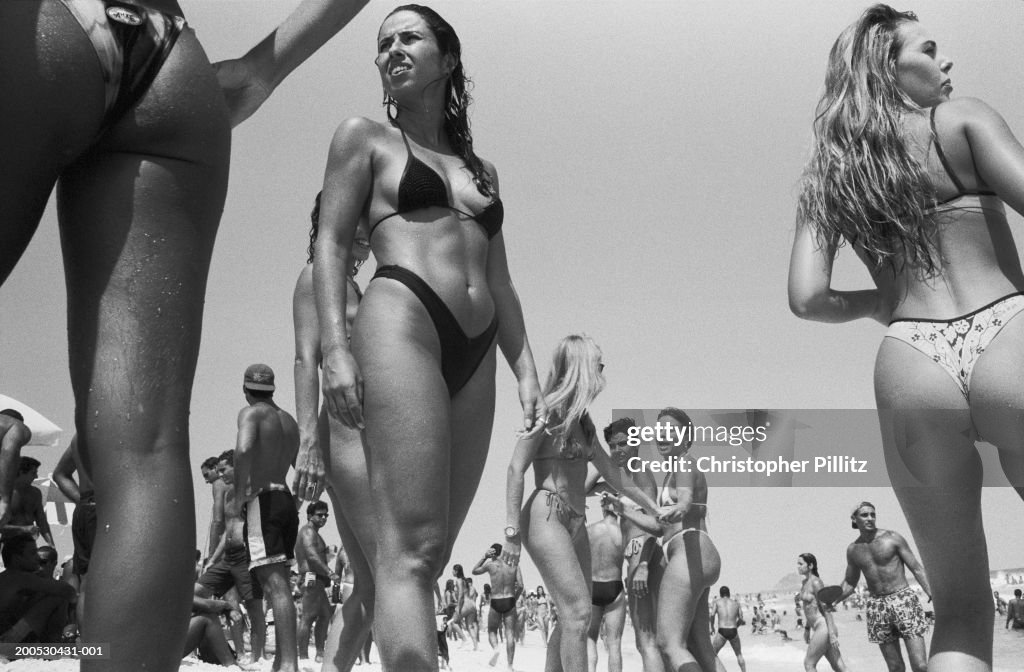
[649, 154]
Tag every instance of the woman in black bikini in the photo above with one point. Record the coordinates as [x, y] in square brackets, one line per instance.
[421, 366]
[552, 521]
[117, 104]
[916, 184]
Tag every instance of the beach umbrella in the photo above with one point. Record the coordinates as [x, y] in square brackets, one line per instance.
[44, 432]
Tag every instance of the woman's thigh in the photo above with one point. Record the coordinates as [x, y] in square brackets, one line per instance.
[407, 413]
[559, 557]
[138, 221]
[997, 397]
[51, 104]
[472, 417]
[350, 492]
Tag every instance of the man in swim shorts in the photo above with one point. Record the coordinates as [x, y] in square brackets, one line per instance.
[14, 435]
[607, 598]
[893, 609]
[26, 514]
[1015, 611]
[506, 587]
[268, 441]
[315, 578]
[730, 617]
[644, 559]
[229, 565]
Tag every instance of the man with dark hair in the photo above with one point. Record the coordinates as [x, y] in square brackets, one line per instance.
[268, 441]
[1015, 611]
[315, 578]
[229, 566]
[607, 598]
[506, 586]
[26, 512]
[644, 559]
[218, 489]
[893, 610]
[730, 616]
[14, 435]
[32, 608]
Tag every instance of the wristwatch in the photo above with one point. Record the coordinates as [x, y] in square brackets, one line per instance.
[511, 532]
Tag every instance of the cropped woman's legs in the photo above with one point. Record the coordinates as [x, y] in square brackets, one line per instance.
[353, 510]
[927, 432]
[423, 466]
[564, 565]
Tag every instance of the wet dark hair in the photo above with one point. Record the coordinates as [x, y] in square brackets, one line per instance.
[210, 463]
[620, 426]
[11, 413]
[724, 591]
[496, 548]
[456, 96]
[47, 554]
[459, 573]
[314, 227]
[811, 561]
[227, 456]
[316, 506]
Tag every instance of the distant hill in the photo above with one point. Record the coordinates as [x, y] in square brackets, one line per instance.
[790, 583]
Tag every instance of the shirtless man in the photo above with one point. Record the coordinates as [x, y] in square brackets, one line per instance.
[219, 488]
[506, 587]
[730, 615]
[268, 441]
[1015, 611]
[83, 520]
[644, 560]
[14, 435]
[893, 610]
[26, 514]
[29, 604]
[229, 564]
[607, 597]
[316, 576]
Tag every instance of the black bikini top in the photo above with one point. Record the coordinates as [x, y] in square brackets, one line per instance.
[961, 190]
[421, 187]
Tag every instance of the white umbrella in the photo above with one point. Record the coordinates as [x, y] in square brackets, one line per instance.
[54, 500]
[44, 432]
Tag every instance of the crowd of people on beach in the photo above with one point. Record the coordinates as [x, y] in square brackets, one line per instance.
[395, 381]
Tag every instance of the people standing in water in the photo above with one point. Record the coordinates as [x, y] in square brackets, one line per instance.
[118, 105]
[915, 182]
[419, 374]
[331, 457]
[693, 563]
[550, 524]
[820, 630]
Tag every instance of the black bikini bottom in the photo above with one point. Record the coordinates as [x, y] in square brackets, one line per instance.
[460, 354]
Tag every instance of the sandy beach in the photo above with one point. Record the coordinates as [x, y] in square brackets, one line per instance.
[763, 653]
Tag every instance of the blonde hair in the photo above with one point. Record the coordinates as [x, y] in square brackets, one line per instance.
[573, 383]
[862, 184]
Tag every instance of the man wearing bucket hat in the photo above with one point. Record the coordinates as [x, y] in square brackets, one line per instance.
[268, 441]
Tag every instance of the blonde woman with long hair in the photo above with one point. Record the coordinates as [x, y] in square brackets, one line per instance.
[916, 183]
[551, 523]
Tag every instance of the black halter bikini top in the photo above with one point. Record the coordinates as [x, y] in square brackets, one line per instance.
[421, 187]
